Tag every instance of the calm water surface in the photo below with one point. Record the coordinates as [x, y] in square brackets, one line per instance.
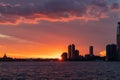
[59, 70]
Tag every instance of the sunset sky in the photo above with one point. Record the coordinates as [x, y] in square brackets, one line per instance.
[44, 28]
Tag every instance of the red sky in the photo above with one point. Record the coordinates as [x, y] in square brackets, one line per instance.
[44, 28]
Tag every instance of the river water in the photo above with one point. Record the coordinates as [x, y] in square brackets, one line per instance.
[59, 70]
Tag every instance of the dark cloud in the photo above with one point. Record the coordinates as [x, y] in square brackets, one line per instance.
[115, 6]
[30, 11]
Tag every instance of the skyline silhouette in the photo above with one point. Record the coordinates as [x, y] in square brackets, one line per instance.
[73, 54]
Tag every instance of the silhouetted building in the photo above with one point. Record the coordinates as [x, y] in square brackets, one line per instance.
[91, 51]
[90, 56]
[111, 52]
[64, 56]
[73, 51]
[118, 40]
[73, 54]
[5, 58]
[69, 52]
[76, 56]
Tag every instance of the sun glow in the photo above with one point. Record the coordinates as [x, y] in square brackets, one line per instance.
[59, 58]
[103, 53]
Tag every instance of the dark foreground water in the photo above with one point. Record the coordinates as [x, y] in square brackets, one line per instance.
[59, 70]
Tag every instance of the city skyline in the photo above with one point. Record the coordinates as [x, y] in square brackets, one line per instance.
[43, 28]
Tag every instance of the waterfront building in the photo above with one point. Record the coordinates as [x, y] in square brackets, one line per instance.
[69, 52]
[76, 55]
[72, 51]
[90, 56]
[91, 51]
[73, 54]
[5, 56]
[111, 52]
[64, 56]
[118, 40]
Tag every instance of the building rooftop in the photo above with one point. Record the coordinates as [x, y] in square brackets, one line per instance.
[119, 23]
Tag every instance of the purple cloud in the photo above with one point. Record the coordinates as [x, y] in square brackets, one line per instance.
[30, 11]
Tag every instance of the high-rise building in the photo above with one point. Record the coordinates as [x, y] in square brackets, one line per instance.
[73, 54]
[111, 52]
[76, 55]
[72, 51]
[91, 55]
[91, 50]
[118, 40]
[69, 52]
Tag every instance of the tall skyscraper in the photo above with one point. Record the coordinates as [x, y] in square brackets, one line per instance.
[118, 40]
[72, 51]
[76, 55]
[91, 50]
[69, 52]
[73, 54]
